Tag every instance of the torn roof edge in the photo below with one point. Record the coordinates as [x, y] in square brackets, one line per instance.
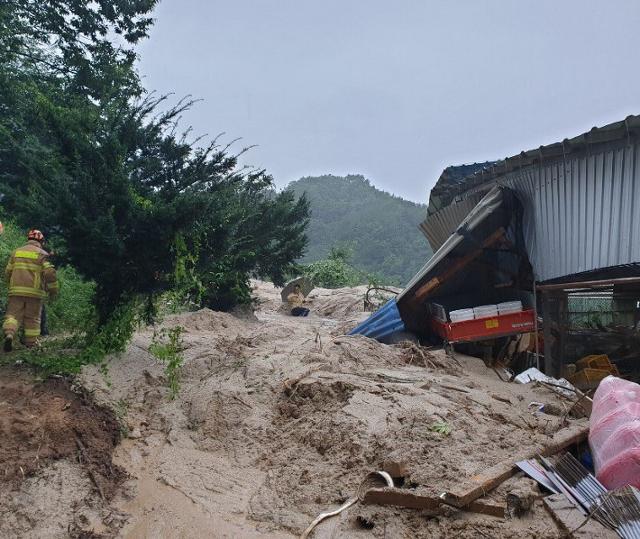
[458, 183]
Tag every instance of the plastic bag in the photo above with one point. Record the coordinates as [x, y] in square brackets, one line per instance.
[614, 433]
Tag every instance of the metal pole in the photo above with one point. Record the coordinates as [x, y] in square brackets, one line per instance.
[590, 284]
[535, 324]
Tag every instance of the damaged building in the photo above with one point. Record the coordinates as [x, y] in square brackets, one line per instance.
[544, 244]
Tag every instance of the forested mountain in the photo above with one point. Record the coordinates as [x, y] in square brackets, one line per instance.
[380, 228]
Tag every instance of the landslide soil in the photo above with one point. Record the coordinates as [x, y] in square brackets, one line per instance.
[46, 426]
[280, 418]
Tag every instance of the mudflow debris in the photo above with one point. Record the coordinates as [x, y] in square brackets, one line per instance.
[278, 420]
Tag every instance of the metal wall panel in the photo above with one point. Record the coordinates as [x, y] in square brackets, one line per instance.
[581, 212]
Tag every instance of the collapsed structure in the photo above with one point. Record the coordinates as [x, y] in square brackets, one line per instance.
[556, 229]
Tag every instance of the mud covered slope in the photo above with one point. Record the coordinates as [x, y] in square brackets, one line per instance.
[280, 418]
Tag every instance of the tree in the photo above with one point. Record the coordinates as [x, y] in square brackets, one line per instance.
[71, 41]
[86, 157]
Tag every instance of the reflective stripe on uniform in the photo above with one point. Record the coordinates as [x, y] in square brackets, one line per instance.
[10, 322]
[26, 291]
[52, 286]
[31, 255]
[30, 266]
[47, 265]
[32, 332]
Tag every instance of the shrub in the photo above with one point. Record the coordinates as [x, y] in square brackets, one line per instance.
[335, 271]
[167, 346]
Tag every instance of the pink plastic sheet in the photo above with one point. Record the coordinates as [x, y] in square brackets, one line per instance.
[614, 434]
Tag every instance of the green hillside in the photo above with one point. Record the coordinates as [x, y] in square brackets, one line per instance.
[382, 229]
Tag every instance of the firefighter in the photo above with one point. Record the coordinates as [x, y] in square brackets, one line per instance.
[30, 277]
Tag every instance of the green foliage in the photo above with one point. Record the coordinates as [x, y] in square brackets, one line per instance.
[73, 310]
[382, 229]
[52, 358]
[12, 238]
[72, 41]
[89, 346]
[167, 346]
[251, 231]
[441, 428]
[335, 271]
[343, 252]
[112, 336]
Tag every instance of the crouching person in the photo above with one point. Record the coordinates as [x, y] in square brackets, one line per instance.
[295, 301]
[30, 277]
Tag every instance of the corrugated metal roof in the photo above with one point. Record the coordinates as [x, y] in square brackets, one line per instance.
[453, 177]
[448, 186]
[382, 324]
[581, 200]
[581, 213]
[440, 225]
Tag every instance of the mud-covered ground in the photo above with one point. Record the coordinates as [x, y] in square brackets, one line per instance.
[54, 439]
[279, 419]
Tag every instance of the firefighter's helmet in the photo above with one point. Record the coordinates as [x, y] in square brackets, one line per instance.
[35, 235]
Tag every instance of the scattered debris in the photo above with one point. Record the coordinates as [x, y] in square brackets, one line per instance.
[537, 472]
[370, 481]
[562, 386]
[622, 507]
[520, 500]
[580, 500]
[300, 425]
[591, 370]
[480, 485]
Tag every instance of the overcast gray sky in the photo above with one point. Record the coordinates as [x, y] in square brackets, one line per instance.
[395, 90]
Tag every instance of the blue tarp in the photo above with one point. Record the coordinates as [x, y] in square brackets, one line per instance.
[382, 324]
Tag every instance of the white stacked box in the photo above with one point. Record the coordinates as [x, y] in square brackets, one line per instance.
[461, 315]
[510, 307]
[485, 311]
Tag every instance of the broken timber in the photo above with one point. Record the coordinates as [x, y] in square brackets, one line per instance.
[480, 485]
[433, 504]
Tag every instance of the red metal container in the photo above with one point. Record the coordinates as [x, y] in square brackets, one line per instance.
[482, 329]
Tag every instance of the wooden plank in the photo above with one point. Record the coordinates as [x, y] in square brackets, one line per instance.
[404, 498]
[401, 498]
[487, 508]
[481, 484]
[571, 519]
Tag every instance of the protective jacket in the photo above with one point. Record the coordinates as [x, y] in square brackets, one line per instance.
[30, 274]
